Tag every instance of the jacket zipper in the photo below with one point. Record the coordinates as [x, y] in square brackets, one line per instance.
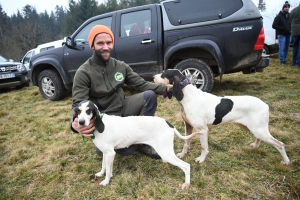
[103, 74]
[106, 85]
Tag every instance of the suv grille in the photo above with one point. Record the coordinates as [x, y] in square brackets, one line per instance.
[9, 69]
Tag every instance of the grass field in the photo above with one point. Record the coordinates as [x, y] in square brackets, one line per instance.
[41, 158]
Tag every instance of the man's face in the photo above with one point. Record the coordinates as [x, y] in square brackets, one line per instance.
[286, 9]
[103, 45]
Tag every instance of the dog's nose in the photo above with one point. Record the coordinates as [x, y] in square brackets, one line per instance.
[81, 122]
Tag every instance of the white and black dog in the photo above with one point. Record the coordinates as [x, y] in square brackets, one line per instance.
[203, 111]
[114, 132]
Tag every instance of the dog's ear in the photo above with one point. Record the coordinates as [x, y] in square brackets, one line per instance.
[176, 89]
[75, 113]
[170, 94]
[99, 125]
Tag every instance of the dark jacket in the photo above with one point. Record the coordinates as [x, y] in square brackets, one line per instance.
[281, 24]
[295, 18]
[102, 83]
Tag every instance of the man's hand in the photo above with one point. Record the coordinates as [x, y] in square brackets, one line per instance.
[84, 130]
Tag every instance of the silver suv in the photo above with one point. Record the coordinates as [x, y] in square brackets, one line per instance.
[12, 74]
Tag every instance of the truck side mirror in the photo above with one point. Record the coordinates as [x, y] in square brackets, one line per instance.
[68, 42]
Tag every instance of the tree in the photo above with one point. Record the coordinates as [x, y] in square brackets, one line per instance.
[60, 17]
[3, 22]
[3, 28]
[261, 5]
[112, 5]
[70, 23]
[79, 13]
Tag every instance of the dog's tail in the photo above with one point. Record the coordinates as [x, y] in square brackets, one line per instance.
[184, 137]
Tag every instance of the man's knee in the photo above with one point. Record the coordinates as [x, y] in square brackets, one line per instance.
[150, 99]
[150, 96]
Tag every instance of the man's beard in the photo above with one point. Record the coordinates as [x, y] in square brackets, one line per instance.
[100, 56]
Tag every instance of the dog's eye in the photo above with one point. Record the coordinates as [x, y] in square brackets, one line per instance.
[88, 111]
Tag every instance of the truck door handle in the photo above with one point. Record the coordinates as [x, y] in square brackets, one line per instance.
[147, 41]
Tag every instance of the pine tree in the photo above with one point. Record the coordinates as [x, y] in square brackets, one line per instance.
[261, 5]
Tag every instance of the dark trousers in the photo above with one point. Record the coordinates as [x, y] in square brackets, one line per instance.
[141, 104]
[296, 50]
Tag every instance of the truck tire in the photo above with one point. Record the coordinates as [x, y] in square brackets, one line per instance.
[198, 72]
[265, 50]
[51, 85]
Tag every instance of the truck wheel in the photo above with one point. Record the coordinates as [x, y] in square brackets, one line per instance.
[198, 72]
[51, 85]
[265, 50]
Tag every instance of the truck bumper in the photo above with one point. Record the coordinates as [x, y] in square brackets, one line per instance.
[263, 63]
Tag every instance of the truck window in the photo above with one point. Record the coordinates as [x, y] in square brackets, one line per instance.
[81, 37]
[135, 23]
[200, 11]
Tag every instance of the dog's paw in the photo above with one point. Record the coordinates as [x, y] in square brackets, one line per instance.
[99, 174]
[285, 162]
[104, 183]
[185, 186]
[180, 155]
[199, 159]
[253, 145]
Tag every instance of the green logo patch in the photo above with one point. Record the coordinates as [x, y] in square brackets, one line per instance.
[119, 76]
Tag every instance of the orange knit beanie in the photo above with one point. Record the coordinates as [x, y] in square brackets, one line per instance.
[99, 29]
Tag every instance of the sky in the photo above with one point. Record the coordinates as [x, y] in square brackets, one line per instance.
[11, 6]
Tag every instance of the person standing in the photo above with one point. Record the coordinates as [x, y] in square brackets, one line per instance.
[283, 29]
[295, 25]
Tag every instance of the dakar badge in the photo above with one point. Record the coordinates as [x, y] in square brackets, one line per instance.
[119, 76]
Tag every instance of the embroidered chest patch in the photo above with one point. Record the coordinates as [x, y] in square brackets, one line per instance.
[119, 76]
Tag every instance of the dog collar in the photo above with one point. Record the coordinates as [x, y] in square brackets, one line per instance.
[182, 84]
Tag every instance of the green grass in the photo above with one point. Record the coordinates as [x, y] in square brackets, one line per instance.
[41, 158]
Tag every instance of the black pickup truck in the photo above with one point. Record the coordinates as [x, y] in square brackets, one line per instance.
[202, 38]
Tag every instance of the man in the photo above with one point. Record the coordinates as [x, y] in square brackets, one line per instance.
[283, 30]
[101, 80]
[295, 19]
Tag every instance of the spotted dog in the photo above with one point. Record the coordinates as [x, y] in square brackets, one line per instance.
[114, 132]
[203, 111]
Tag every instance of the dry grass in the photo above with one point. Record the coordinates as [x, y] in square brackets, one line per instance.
[42, 159]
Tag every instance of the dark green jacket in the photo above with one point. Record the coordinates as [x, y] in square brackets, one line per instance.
[295, 19]
[102, 83]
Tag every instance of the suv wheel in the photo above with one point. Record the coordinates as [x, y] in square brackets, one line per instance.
[51, 85]
[198, 72]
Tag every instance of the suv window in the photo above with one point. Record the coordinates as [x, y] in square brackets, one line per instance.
[135, 23]
[81, 37]
[199, 11]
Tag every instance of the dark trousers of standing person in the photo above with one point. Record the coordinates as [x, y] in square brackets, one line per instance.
[296, 50]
